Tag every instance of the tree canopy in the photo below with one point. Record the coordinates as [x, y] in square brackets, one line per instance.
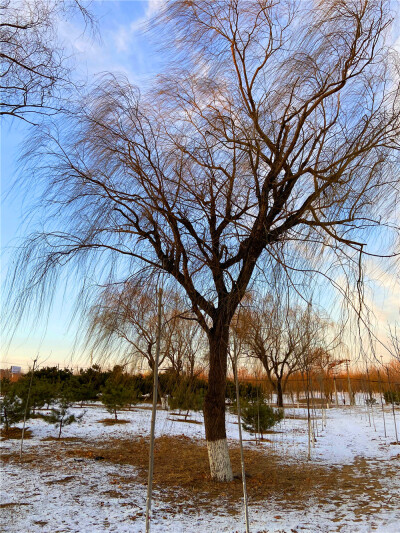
[273, 136]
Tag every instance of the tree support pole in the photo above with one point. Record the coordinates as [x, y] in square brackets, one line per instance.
[336, 394]
[26, 408]
[153, 415]
[350, 391]
[246, 509]
[393, 410]
[383, 409]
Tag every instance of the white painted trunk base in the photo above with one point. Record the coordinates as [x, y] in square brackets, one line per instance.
[220, 463]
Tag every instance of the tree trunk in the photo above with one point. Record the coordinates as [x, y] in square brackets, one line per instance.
[279, 393]
[214, 406]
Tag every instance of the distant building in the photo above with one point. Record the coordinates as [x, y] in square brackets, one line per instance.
[14, 373]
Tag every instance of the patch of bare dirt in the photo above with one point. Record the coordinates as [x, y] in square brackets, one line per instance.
[66, 479]
[187, 421]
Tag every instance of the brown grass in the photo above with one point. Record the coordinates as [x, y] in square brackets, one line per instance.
[187, 421]
[61, 439]
[181, 474]
[66, 479]
[181, 465]
[12, 504]
[15, 433]
[112, 421]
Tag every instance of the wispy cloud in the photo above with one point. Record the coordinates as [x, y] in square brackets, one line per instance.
[128, 33]
[123, 47]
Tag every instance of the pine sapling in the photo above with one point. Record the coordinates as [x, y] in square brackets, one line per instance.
[12, 409]
[61, 416]
[186, 399]
[115, 396]
[258, 417]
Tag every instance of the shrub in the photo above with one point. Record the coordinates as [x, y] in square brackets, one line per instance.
[42, 392]
[247, 391]
[258, 417]
[169, 382]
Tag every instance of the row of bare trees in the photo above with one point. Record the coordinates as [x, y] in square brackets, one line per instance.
[290, 340]
[285, 337]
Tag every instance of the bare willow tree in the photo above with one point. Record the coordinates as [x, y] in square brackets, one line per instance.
[187, 350]
[122, 323]
[281, 335]
[277, 127]
[34, 67]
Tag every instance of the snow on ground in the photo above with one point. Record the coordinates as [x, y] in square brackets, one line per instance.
[78, 496]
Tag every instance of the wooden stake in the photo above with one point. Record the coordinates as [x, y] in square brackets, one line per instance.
[351, 396]
[336, 394]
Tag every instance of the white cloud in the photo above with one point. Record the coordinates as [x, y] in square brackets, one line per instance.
[153, 6]
[92, 56]
[126, 34]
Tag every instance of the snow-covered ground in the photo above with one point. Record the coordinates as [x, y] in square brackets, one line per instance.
[77, 495]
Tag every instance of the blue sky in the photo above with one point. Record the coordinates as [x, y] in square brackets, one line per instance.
[125, 48]
[122, 47]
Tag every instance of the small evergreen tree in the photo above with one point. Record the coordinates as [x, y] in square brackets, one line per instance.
[186, 398]
[12, 408]
[115, 396]
[61, 415]
[43, 392]
[258, 417]
[87, 384]
[133, 394]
